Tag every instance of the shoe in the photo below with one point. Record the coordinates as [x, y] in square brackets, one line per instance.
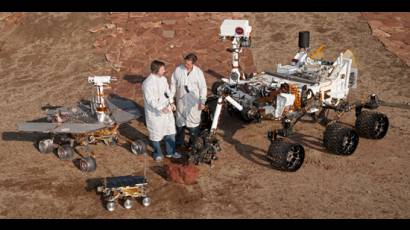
[158, 159]
[176, 155]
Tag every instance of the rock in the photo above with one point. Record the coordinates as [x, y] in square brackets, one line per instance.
[117, 67]
[380, 33]
[148, 25]
[110, 26]
[168, 33]
[182, 174]
[4, 15]
[169, 22]
[100, 43]
[112, 57]
[96, 29]
[137, 15]
[120, 30]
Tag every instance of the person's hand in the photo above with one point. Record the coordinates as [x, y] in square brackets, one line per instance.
[201, 106]
[167, 109]
[173, 107]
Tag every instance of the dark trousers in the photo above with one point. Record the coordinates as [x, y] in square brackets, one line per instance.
[180, 138]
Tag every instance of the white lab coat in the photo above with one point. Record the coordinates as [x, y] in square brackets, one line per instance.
[159, 124]
[187, 113]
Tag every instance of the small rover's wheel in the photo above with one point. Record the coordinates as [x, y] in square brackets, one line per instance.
[128, 203]
[146, 201]
[110, 206]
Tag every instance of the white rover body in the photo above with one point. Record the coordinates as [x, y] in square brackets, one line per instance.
[306, 86]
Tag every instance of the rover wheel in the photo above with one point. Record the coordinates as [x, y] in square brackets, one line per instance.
[215, 87]
[246, 115]
[138, 147]
[286, 156]
[146, 201]
[128, 203]
[110, 206]
[372, 125]
[65, 152]
[88, 164]
[198, 143]
[340, 139]
[45, 146]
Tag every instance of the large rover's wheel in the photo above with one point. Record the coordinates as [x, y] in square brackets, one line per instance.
[128, 203]
[373, 125]
[88, 164]
[286, 156]
[340, 139]
[65, 152]
[45, 146]
[215, 87]
[138, 147]
[146, 201]
[246, 114]
[110, 206]
[198, 144]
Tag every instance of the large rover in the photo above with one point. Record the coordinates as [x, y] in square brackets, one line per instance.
[307, 86]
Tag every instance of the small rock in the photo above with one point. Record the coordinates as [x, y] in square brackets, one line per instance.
[148, 25]
[4, 15]
[380, 33]
[120, 30]
[96, 29]
[137, 15]
[169, 22]
[110, 57]
[100, 43]
[116, 67]
[168, 33]
[110, 26]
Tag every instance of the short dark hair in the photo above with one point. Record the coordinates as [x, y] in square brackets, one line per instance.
[192, 57]
[156, 65]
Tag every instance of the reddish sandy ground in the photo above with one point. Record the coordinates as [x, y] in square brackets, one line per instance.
[45, 58]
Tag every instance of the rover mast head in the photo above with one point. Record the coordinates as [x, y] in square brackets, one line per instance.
[239, 32]
[98, 103]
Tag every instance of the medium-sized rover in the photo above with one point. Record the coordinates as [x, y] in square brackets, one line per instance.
[72, 129]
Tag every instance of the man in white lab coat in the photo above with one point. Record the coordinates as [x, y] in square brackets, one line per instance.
[158, 106]
[188, 86]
